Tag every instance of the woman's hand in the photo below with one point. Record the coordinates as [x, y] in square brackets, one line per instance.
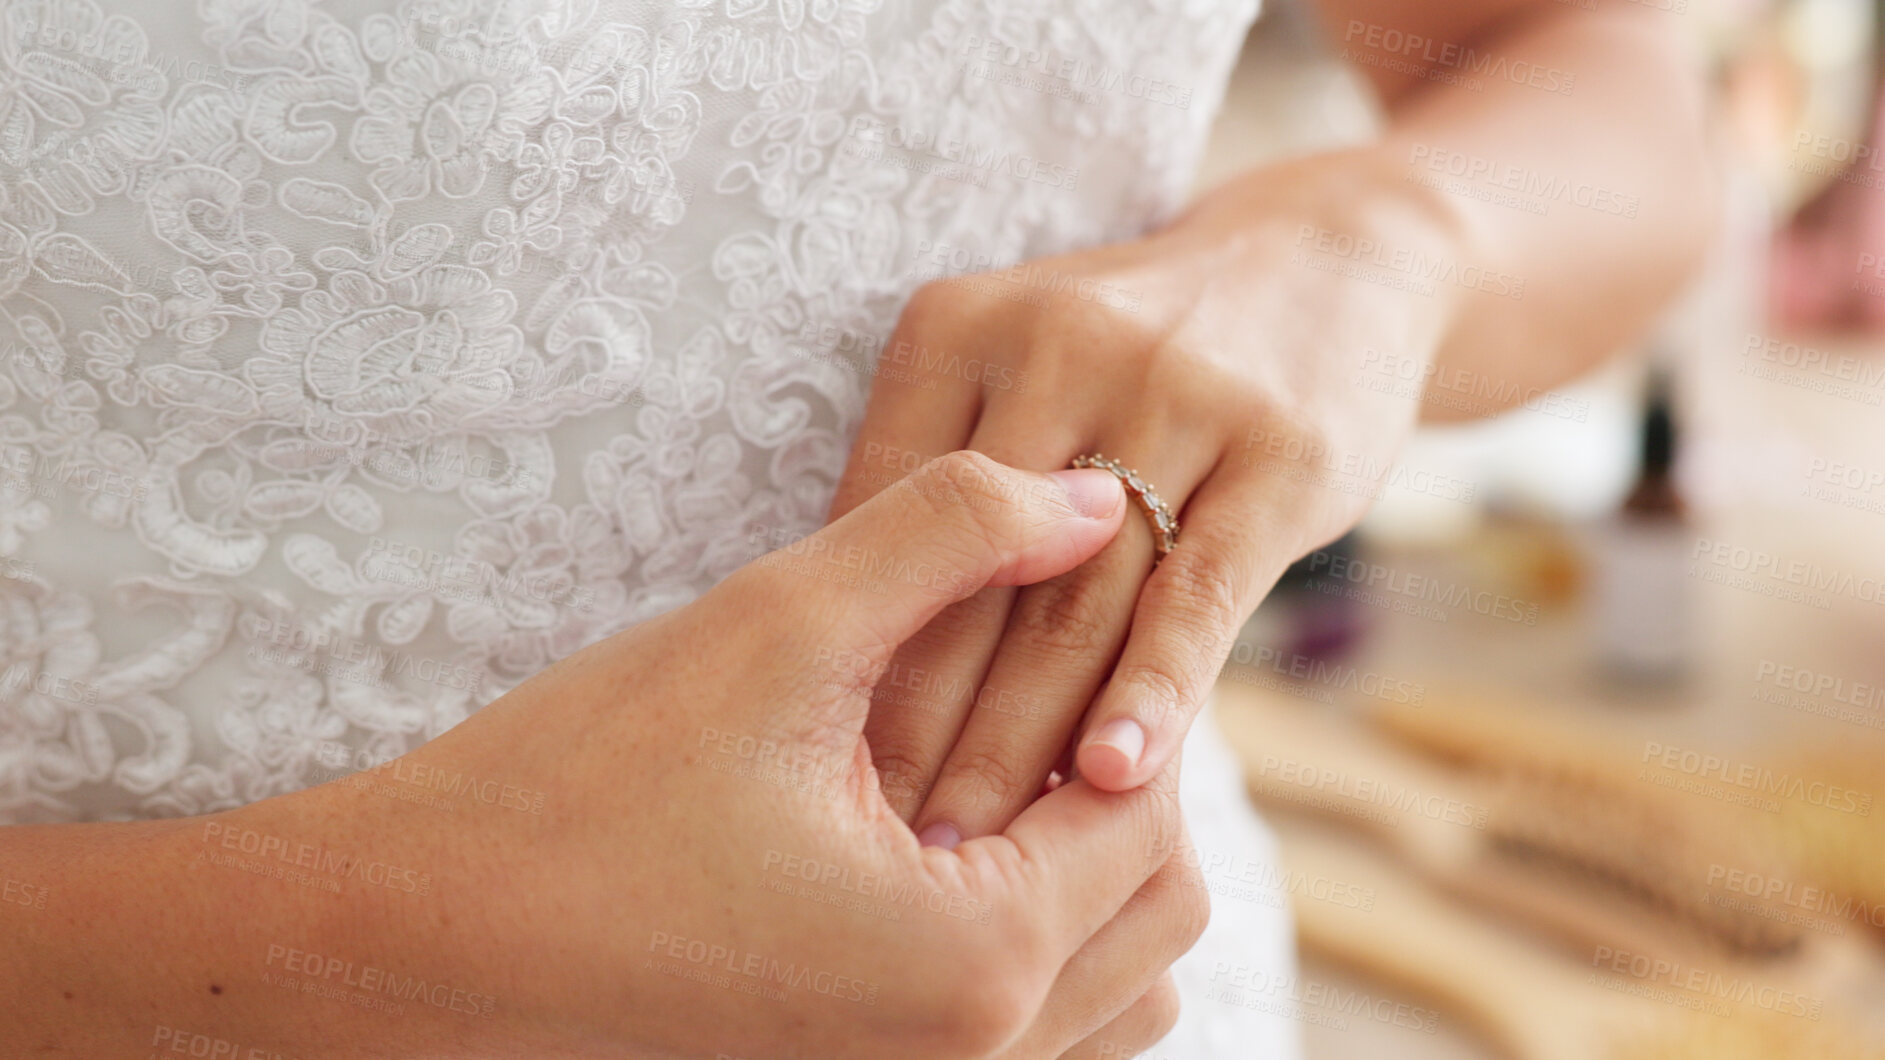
[685, 850]
[1236, 360]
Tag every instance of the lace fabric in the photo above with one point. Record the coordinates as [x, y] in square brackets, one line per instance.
[358, 360]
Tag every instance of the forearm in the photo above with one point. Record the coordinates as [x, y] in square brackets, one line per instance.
[1567, 146]
[146, 935]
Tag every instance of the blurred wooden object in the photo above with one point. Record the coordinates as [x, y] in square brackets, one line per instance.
[1530, 1005]
[1595, 859]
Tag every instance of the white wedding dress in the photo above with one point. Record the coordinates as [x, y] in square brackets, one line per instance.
[358, 358]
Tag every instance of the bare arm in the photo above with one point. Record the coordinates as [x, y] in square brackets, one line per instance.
[1540, 189]
[1594, 113]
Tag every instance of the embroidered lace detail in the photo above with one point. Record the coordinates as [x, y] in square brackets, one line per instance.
[358, 360]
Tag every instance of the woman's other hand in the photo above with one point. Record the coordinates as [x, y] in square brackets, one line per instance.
[700, 860]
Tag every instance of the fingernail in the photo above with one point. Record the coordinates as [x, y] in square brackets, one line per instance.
[941, 834]
[1095, 494]
[1123, 735]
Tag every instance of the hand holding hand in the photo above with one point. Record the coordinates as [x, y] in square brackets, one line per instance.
[1227, 359]
[716, 869]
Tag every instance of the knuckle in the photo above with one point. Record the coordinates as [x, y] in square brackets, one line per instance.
[900, 771]
[966, 480]
[964, 622]
[1158, 1011]
[962, 492]
[1164, 818]
[1065, 616]
[1191, 906]
[987, 1003]
[1282, 433]
[985, 778]
[1069, 321]
[1156, 825]
[1203, 587]
[930, 303]
[1184, 658]
[1165, 684]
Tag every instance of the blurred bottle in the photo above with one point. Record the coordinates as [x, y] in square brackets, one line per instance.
[1640, 601]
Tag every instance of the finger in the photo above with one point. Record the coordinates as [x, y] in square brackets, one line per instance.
[1060, 642]
[1141, 1026]
[1110, 990]
[1074, 858]
[932, 688]
[915, 413]
[867, 582]
[921, 700]
[1232, 549]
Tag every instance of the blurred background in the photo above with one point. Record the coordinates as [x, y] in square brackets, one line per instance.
[1572, 747]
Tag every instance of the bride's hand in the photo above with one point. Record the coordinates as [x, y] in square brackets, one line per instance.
[714, 870]
[1225, 359]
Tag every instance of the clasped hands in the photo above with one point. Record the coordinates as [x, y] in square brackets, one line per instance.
[810, 814]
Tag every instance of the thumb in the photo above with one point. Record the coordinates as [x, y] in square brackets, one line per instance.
[879, 573]
[1089, 851]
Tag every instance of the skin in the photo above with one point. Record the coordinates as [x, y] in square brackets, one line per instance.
[1242, 326]
[1259, 384]
[563, 930]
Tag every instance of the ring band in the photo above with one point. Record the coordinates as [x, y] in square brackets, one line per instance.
[1157, 512]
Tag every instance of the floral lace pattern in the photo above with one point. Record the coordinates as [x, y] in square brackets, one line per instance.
[358, 360]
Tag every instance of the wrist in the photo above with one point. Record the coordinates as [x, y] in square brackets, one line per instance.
[1361, 213]
[1359, 276]
[149, 937]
